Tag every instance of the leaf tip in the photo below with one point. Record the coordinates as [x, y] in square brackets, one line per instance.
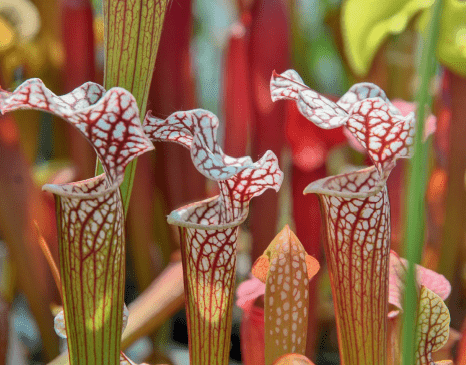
[312, 265]
[261, 268]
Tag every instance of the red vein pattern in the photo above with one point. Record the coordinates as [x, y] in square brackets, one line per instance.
[356, 216]
[317, 108]
[365, 110]
[197, 131]
[289, 269]
[109, 120]
[90, 215]
[356, 209]
[385, 136]
[209, 228]
[433, 327]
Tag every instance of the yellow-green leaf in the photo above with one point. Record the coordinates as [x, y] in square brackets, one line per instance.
[433, 326]
[451, 49]
[367, 23]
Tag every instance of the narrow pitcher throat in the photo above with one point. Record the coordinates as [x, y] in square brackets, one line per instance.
[205, 215]
[356, 213]
[359, 184]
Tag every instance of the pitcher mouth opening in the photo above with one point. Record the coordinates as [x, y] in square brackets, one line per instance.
[205, 215]
[358, 184]
[91, 188]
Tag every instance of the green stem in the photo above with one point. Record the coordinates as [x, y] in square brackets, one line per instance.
[93, 276]
[415, 220]
[132, 34]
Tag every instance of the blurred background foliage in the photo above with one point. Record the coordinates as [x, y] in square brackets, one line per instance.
[219, 55]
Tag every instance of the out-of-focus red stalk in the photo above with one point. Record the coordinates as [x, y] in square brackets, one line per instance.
[461, 351]
[22, 202]
[79, 67]
[306, 216]
[454, 228]
[173, 89]
[438, 182]
[244, 6]
[141, 216]
[237, 93]
[306, 209]
[309, 146]
[437, 187]
[4, 329]
[396, 194]
[78, 40]
[252, 335]
[452, 249]
[436, 193]
[268, 50]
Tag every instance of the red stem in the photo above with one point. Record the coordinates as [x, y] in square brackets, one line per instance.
[269, 22]
[78, 41]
